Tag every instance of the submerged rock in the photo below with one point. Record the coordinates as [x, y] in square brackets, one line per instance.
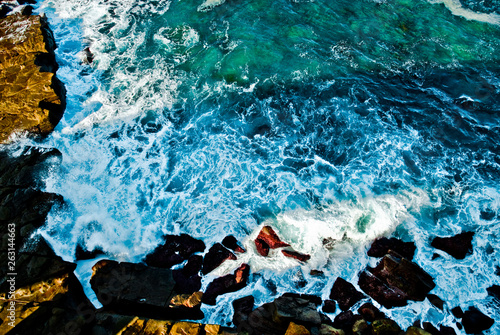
[381, 246]
[174, 250]
[345, 294]
[215, 257]
[33, 99]
[395, 280]
[226, 284]
[457, 246]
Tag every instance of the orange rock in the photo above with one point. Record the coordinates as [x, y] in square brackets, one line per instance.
[295, 329]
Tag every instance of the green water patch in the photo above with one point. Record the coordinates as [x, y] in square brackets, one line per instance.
[245, 42]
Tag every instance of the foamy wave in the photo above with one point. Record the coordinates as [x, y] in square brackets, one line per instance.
[457, 9]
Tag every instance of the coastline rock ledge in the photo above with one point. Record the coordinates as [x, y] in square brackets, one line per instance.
[32, 99]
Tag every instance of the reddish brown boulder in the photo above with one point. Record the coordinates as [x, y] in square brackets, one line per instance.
[175, 250]
[457, 246]
[262, 247]
[215, 257]
[329, 306]
[381, 246]
[370, 313]
[268, 235]
[345, 294]
[226, 284]
[231, 243]
[395, 280]
[297, 255]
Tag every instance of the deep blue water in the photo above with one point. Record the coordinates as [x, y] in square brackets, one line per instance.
[343, 120]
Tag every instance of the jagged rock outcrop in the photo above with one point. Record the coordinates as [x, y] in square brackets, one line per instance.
[32, 99]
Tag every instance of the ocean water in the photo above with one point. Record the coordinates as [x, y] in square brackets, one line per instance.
[335, 122]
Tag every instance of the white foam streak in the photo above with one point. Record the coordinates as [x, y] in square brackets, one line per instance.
[457, 9]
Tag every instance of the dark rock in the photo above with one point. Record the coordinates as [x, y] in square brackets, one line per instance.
[494, 291]
[33, 98]
[226, 284]
[4, 10]
[345, 294]
[231, 243]
[215, 257]
[316, 273]
[361, 327]
[262, 247]
[187, 279]
[444, 330]
[381, 246]
[269, 236]
[457, 312]
[309, 297]
[27, 10]
[344, 321]
[395, 280]
[174, 251]
[193, 265]
[436, 301]
[474, 321]
[89, 56]
[457, 246]
[385, 327]
[242, 308]
[415, 330]
[370, 313]
[81, 253]
[329, 306]
[429, 327]
[297, 255]
[136, 289]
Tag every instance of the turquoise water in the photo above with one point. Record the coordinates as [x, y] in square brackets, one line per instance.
[332, 121]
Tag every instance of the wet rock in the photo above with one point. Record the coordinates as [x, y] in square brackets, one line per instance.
[186, 300]
[370, 313]
[429, 327]
[175, 250]
[416, 331]
[33, 98]
[316, 273]
[267, 236]
[110, 323]
[381, 246]
[242, 308]
[186, 328]
[436, 301]
[345, 294]
[457, 312]
[81, 253]
[444, 330]
[329, 306]
[187, 279]
[226, 284]
[215, 257]
[329, 330]
[88, 55]
[136, 289]
[4, 10]
[261, 321]
[309, 297]
[395, 280]
[474, 321]
[232, 243]
[297, 255]
[494, 291]
[262, 247]
[345, 321]
[385, 327]
[457, 246]
[295, 329]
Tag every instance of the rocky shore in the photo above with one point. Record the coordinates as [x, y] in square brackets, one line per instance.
[150, 297]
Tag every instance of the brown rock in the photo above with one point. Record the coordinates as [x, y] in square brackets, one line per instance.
[33, 99]
[269, 236]
[215, 257]
[212, 329]
[186, 328]
[175, 250]
[381, 246]
[232, 243]
[457, 246]
[186, 300]
[370, 312]
[345, 294]
[226, 284]
[295, 329]
[297, 255]
[329, 330]
[395, 280]
[262, 247]
[329, 306]
[416, 331]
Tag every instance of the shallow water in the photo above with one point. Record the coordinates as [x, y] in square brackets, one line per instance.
[341, 121]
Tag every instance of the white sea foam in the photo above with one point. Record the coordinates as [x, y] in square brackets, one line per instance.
[457, 9]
